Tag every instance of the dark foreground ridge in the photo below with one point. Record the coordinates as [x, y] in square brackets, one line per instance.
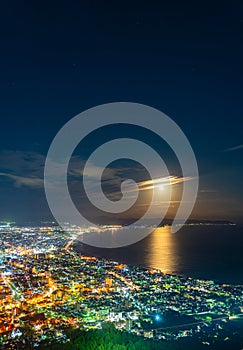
[111, 339]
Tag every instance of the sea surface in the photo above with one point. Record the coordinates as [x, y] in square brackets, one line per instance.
[212, 252]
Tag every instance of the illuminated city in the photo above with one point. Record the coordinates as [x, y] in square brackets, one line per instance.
[46, 287]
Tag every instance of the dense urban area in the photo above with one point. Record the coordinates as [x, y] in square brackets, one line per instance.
[52, 295]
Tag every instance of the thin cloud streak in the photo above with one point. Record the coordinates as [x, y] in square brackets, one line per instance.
[231, 149]
[165, 181]
[207, 191]
[19, 181]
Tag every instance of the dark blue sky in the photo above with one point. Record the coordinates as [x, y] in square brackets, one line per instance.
[60, 58]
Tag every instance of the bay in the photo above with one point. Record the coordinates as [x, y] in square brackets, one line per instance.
[212, 252]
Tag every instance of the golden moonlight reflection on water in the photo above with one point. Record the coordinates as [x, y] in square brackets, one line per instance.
[163, 250]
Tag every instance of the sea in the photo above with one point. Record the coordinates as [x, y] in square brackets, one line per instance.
[212, 252]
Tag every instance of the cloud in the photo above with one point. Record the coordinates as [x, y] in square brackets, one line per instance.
[163, 181]
[24, 168]
[208, 191]
[233, 148]
[27, 169]
[19, 181]
[77, 164]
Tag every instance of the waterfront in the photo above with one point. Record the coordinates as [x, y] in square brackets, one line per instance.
[200, 251]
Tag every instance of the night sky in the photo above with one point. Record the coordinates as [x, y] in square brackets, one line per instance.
[60, 58]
